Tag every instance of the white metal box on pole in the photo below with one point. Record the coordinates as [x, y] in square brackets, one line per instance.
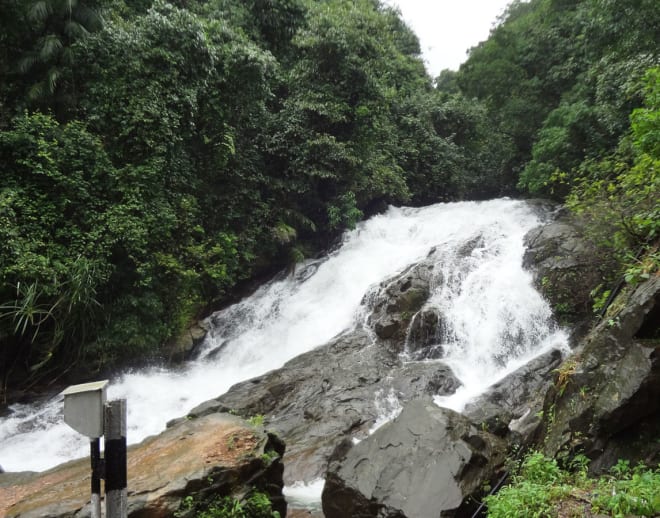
[84, 407]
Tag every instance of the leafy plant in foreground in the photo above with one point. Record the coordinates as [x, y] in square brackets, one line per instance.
[257, 505]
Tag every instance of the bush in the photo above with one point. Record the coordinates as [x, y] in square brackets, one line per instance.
[617, 195]
[257, 505]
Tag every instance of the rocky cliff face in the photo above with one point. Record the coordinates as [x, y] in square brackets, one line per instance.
[605, 398]
[601, 400]
[216, 455]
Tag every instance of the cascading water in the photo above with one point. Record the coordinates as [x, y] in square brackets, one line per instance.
[488, 319]
[494, 320]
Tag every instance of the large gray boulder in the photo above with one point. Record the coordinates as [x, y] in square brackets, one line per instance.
[183, 346]
[421, 465]
[395, 301]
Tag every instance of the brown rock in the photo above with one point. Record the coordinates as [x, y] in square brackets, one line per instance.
[218, 454]
[303, 513]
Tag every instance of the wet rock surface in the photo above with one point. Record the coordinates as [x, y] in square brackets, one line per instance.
[424, 340]
[566, 267]
[421, 465]
[394, 303]
[333, 392]
[341, 389]
[183, 347]
[216, 455]
[514, 404]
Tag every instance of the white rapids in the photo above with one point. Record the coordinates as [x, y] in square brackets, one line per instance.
[497, 322]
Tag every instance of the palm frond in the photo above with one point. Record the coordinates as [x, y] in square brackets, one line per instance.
[53, 77]
[69, 6]
[298, 219]
[75, 30]
[89, 18]
[26, 63]
[40, 11]
[44, 360]
[37, 91]
[50, 47]
[67, 56]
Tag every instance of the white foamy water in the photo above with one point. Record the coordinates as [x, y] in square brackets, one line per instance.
[388, 407]
[302, 495]
[493, 319]
[488, 295]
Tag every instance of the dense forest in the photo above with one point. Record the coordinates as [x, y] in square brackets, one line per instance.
[157, 154]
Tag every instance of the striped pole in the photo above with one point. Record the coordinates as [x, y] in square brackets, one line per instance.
[116, 497]
[95, 455]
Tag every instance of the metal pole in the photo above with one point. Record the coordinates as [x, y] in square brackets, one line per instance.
[116, 498]
[95, 455]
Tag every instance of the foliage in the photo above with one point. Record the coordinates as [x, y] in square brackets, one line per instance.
[48, 60]
[617, 196]
[257, 505]
[540, 488]
[345, 214]
[55, 238]
[629, 491]
[256, 420]
[333, 134]
[533, 492]
[561, 78]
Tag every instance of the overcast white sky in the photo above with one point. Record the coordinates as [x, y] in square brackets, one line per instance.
[448, 28]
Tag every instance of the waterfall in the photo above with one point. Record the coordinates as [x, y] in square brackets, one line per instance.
[495, 320]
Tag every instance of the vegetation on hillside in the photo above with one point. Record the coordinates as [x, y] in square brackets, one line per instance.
[157, 153]
[541, 488]
[575, 86]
